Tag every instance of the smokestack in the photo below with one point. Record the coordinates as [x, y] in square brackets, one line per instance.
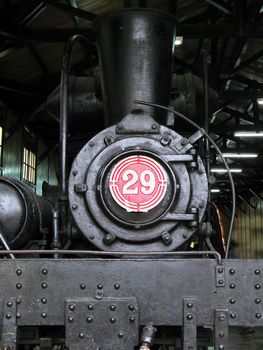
[136, 55]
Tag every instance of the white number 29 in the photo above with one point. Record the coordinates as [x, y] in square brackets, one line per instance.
[147, 181]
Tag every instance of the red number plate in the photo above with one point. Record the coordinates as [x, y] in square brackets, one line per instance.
[138, 183]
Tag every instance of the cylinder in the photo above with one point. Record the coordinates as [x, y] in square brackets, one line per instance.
[136, 48]
[23, 215]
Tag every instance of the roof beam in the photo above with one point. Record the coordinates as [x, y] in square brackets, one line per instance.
[221, 5]
[73, 10]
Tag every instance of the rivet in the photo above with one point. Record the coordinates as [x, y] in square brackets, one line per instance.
[71, 307]
[81, 335]
[82, 286]
[257, 300]
[18, 301]
[43, 300]
[43, 315]
[117, 286]
[112, 307]
[131, 307]
[257, 272]
[220, 281]
[75, 172]
[258, 316]
[190, 305]
[90, 307]
[44, 271]
[189, 317]
[154, 126]
[99, 286]
[132, 319]
[74, 207]
[91, 144]
[9, 304]
[222, 317]
[232, 315]
[99, 292]
[89, 319]
[221, 347]
[18, 315]
[221, 334]
[70, 319]
[8, 316]
[232, 286]
[44, 285]
[112, 319]
[232, 271]
[220, 270]
[257, 286]
[121, 334]
[18, 286]
[232, 301]
[19, 272]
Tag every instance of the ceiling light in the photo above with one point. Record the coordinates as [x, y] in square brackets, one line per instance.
[239, 155]
[215, 190]
[179, 40]
[248, 133]
[223, 170]
[260, 101]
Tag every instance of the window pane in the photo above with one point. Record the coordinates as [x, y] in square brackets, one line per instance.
[29, 166]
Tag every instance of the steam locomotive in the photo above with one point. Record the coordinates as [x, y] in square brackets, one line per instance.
[137, 188]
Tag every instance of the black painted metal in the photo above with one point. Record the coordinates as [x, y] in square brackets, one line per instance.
[164, 291]
[23, 215]
[136, 51]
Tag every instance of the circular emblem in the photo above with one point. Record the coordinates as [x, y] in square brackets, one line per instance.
[138, 183]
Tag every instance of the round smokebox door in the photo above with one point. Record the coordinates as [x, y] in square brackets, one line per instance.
[137, 189]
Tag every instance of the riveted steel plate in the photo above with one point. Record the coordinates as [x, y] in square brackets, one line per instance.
[108, 323]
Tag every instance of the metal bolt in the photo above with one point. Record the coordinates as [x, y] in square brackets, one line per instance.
[89, 319]
[82, 286]
[233, 315]
[18, 301]
[81, 335]
[74, 172]
[71, 307]
[132, 319]
[257, 286]
[220, 281]
[221, 347]
[258, 316]
[70, 319]
[184, 142]
[189, 317]
[112, 319]
[44, 271]
[44, 300]
[112, 307]
[154, 126]
[91, 144]
[117, 286]
[167, 238]
[8, 316]
[99, 286]
[222, 317]
[99, 292]
[232, 301]
[18, 315]
[44, 285]
[131, 307]
[18, 286]
[190, 305]
[19, 272]
[257, 272]
[232, 271]
[121, 334]
[90, 307]
[108, 238]
[232, 286]
[257, 300]
[74, 207]
[43, 315]
[220, 270]
[221, 334]
[9, 304]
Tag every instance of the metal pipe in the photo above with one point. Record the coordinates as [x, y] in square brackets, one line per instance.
[5, 244]
[56, 245]
[117, 254]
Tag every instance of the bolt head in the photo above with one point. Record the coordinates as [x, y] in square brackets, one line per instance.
[90, 307]
[222, 317]
[44, 271]
[221, 347]
[81, 335]
[18, 286]
[132, 319]
[220, 270]
[189, 317]
[232, 315]
[8, 316]
[232, 286]
[82, 286]
[190, 305]
[232, 271]
[131, 307]
[9, 304]
[121, 334]
[112, 307]
[117, 286]
[232, 301]
[19, 272]
[43, 315]
[257, 286]
[258, 316]
[257, 272]
[70, 319]
[99, 286]
[71, 307]
[112, 319]
[89, 319]
[220, 281]
[257, 300]
[44, 300]
[44, 285]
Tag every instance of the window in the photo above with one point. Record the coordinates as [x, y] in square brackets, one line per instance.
[29, 166]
